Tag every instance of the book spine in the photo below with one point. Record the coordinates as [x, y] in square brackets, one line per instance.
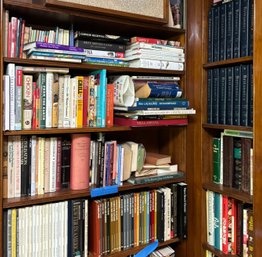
[6, 102]
[244, 101]
[12, 75]
[229, 30]
[18, 98]
[250, 97]
[110, 105]
[79, 118]
[237, 95]
[27, 101]
[58, 46]
[210, 217]
[17, 165]
[210, 96]
[216, 36]
[217, 220]
[59, 164]
[237, 20]
[33, 165]
[228, 165]
[42, 87]
[65, 164]
[216, 160]
[245, 27]
[225, 224]
[215, 97]
[49, 97]
[230, 96]
[164, 104]
[25, 169]
[222, 48]
[222, 95]
[53, 164]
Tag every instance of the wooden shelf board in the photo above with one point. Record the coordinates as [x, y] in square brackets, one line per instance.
[231, 192]
[85, 66]
[228, 62]
[65, 131]
[222, 127]
[67, 194]
[216, 252]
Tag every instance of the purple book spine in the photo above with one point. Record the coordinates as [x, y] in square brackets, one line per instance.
[59, 47]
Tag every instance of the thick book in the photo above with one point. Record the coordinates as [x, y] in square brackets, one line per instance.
[210, 96]
[157, 89]
[228, 164]
[237, 95]
[157, 158]
[182, 210]
[216, 160]
[153, 179]
[222, 95]
[45, 45]
[149, 123]
[245, 91]
[65, 162]
[229, 29]
[215, 96]
[79, 164]
[229, 95]
[237, 20]
[222, 40]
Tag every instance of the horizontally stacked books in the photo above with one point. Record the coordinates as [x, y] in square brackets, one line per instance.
[155, 53]
[157, 101]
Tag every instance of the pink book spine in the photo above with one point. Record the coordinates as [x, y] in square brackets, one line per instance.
[225, 225]
[80, 156]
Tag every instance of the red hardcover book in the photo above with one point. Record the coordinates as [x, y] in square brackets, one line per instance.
[234, 227]
[149, 40]
[149, 123]
[94, 224]
[22, 39]
[225, 225]
[110, 105]
[85, 100]
[80, 156]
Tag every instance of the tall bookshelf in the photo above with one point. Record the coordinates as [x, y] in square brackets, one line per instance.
[208, 131]
[176, 141]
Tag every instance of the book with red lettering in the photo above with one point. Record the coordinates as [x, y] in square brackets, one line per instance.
[225, 224]
[80, 155]
[149, 123]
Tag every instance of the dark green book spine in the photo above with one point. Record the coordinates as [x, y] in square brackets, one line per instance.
[216, 160]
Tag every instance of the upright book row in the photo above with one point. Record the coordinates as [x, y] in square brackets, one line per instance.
[233, 161]
[137, 218]
[230, 30]
[56, 229]
[230, 95]
[230, 225]
[34, 100]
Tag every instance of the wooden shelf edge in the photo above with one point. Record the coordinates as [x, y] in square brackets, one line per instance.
[228, 62]
[231, 192]
[67, 194]
[222, 127]
[85, 66]
[65, 131]
[218, 253]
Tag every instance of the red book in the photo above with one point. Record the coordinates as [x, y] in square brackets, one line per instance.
[234, 227]
[149, 40]
[225, 225]
[13, 36]
[95, 218]
[85, 100]
[22, 39]
[110, 105]
[80, 156]
[9, 39]
[149, 123]
[34, 105]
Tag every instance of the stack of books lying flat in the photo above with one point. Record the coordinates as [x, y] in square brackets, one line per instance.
[155, 53]
[54, 52]
[158, 102]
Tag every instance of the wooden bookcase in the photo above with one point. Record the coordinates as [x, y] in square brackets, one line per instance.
[179, 142]
[208, 131]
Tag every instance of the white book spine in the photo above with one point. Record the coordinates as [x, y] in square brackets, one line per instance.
[73, 101]
[33, 165]
[49, 95]
[6, 81]
[86, 228]
[30, 224]
[26, 231]
[65, 245]
[11, 73]
[168, 213]
[27, 101]
[210, 217]
[17, 156]
[53, 161]
[66, 105]
[61, 101]
[41, 161]
[33, 230]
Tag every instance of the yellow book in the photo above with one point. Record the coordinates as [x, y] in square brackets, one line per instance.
[13, 236]
[79, 113]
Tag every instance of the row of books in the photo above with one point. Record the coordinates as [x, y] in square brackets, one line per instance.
[230, 225]
[130, 220]
[230, 30]
[56, 229]
[51, 99]
[233, 160]
[17, 34]
[230, 95]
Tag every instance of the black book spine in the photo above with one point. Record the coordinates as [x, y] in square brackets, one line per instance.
[245, 27]
[122, 220]
[237, 95]
[237, 27]
[161, 215]
[132, 218]
[229, 30]
[174, 209]
[24, 165]
[244, 94]
[239, 230]
[251, 28]
[65, 167]
[215, 97]
[216, 37]
[222, 32]
[182, 210]
[210, 34]
[209, 96]
[246, 144]
[222, 95]
[229, 94]
[228, 162]
[105, 46]
[250, 106]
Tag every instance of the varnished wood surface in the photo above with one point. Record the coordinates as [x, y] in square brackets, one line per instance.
[222, 127]
[216, 252]
[230, 192]
[67, 194]
[228, 62]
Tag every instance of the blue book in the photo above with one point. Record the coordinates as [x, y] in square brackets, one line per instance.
[216, 34]
[106, 61]
[236, 28]
[222, 95]
[222, 49]
[210, 34]
[245, 27]
[209, 96]
[229, 30]
[237, 95]
[217, 220]
[101, 82]
[161, 102]
[215, 97]
[229, 94]
[250, 106]
[245, 83]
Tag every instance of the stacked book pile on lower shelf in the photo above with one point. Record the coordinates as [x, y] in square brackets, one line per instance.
[157, 101]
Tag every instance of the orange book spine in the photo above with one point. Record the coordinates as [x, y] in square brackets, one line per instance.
[110, 105]
[80, 156]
